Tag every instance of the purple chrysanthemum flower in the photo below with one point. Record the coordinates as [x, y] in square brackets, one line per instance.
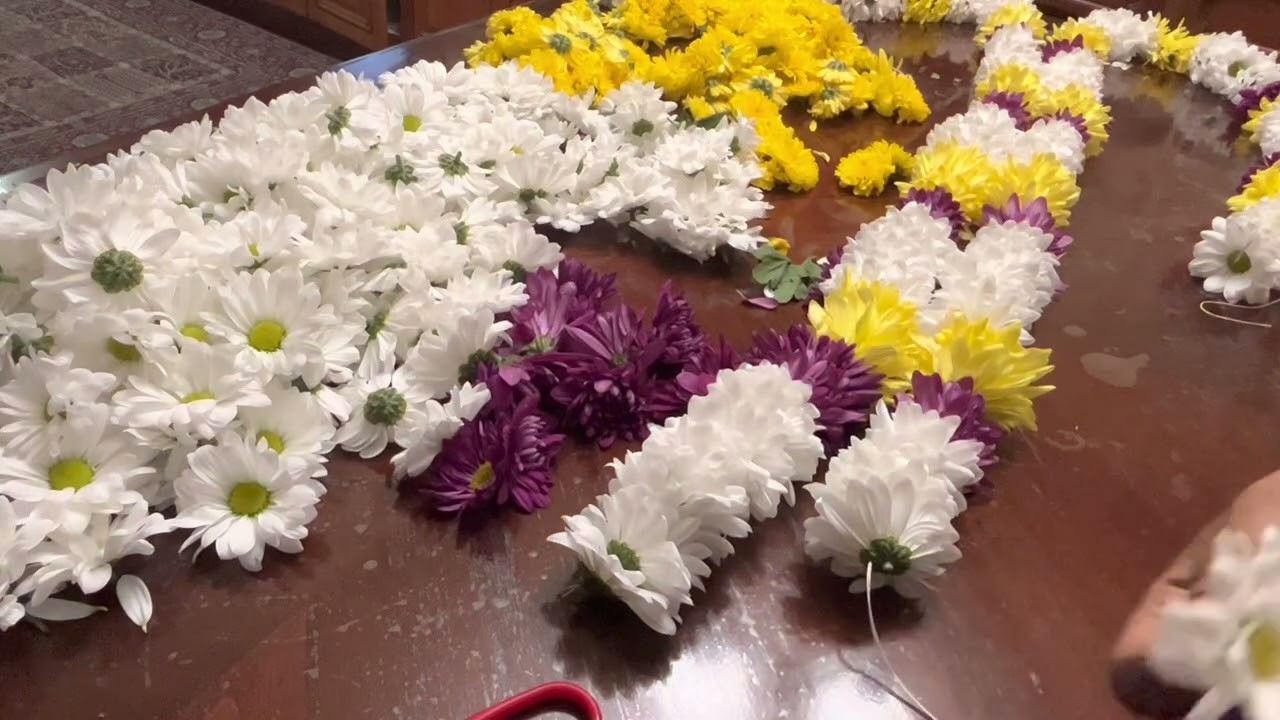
[606, 388]
[499, 458]
[591, 290]
[1036, 213]
[536, 326]
[959, 399]
[1053, 47]
[1014, 103]
[845, 389]
[1266, 162]
[671, 398]
[675, 330]
[1077, 122]
[942, 205]
[1251, 99]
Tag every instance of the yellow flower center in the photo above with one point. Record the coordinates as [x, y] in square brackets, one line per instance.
[274, 441]
[195, 331]
[482, 478]
[266, 336]
[72, 473]
[195, 396]
[248, 498]
[123, 352]
[1264, 652]
[412, 123]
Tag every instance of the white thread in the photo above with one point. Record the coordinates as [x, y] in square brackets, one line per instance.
[1238, 321]
[914, 702]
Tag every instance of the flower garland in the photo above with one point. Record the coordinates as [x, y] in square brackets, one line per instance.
[714, 57]
[190, 327]
[922, 342]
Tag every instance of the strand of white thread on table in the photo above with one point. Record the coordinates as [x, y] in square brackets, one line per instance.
[1238, 321]
[914, 703]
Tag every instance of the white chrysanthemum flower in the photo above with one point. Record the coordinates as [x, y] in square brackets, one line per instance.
[262, 238]
[1268, 134]
[1073, 68]
[623, 540]
[274, 320]
[873, 10]
[117, 343]
[441, 422]
[906, 248]
[884, 517]
[911, 434]
[294, 425]
[36, 402]
[184, 142]
[518, 248]
[481, 291]
[450, 355]
[110, 261]
[183, 301]
[433, 253]
[1222, 63]
[85, 557]
[241, 497]
[93, 468]
[1237, 261]
[389, 410]
[341, 196]
[186, 396]
[1226, 641]
[1132, 36]
[1055, 137]
[983, 126]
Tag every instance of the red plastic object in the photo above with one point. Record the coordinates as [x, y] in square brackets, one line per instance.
[552, 696]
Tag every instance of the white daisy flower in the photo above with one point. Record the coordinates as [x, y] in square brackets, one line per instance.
[183, 302]
[184, 142]
[882, 517]
[383, 412]
[441, 421]
[623, 540]
[35, 403]
[1236, 262]
[186, 396]
[240, 497]
[118, 343]
[109, 261]
[519, 248]
[451, 355]
[274, 320]
[93, 468]
[294, 425]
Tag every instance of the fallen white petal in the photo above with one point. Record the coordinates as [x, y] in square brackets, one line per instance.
[135, 598]
[59, 610]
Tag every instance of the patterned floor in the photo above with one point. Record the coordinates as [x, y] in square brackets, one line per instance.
[76, 72]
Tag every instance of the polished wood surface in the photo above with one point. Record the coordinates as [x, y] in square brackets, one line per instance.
[1161, 415]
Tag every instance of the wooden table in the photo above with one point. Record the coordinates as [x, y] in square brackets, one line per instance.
[1161, 415]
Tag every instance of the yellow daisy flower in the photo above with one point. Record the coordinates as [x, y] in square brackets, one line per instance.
[1094, 37]
[874, 319]
[1045, 176]
[1174, 47]
[1014, 13]
[1263, 185]
[926, 11]
[965, 171]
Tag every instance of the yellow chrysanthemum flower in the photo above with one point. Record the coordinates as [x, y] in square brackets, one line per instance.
[866, 171]
[1174, 47]
[1018, 12]
[1003, 371]
[926, 11]
[782, 245]
[1045, 176]
[965, 171]
[1094, 37]
[1078, 100]
[1263, 185]
[1013, 78]
[874, 319]
[1254, 123]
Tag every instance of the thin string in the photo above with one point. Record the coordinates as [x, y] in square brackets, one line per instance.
[1228, 318]
[914, 702]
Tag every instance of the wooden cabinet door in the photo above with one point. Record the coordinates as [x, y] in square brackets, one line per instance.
[293, 6]
[364, 21]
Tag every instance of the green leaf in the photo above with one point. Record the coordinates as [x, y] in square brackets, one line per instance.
[811, 269]
[710, 122]
[787, 288]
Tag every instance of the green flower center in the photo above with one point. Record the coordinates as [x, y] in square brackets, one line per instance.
[528, 195]
[461, 232]
[123, 352]
[468, 371]
[539, 345]
[72, 473]
[400, 172]
[1237, 67]
[619, 359]
[887, 556]
[628, 557]
[196, 397]
[254, 250]
[516, 269]
[452, 165]
[267, 336]
[248, 499]
[560, 42]
[482, 478]
[339, 118]
[375, 324]
[274, 441]
[19, 348]
[117, 271]
[764, 85]
[411, 123]
[641, 127]
[1239, 262]
[385, 407]
[195, 331]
